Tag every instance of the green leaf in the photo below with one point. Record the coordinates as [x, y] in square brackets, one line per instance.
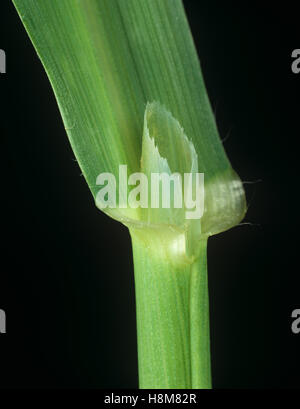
[106, 59]
[128, 84]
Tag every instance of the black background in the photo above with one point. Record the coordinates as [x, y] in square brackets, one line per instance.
[66, 280]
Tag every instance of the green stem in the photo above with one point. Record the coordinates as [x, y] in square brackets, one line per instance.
[172, 315]
[199, 321]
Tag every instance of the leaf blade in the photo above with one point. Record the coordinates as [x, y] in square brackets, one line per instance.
[105, 60]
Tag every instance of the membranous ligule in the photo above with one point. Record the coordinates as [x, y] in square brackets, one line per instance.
[172, 194]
